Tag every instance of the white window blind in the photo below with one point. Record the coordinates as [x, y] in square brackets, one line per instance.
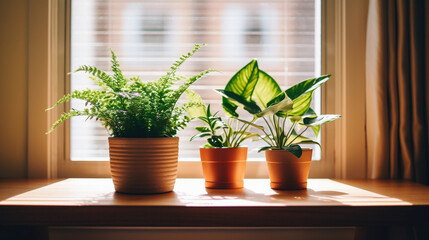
[148, 36]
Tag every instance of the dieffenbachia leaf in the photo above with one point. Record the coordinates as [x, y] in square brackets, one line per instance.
[300, 88]
[305, 86]
[309, 114]
[266, 89]
[283, 106]
[248, 105]
[294, 149]
[241, 84]
[319, 120]
[308, 142]
[301, 105]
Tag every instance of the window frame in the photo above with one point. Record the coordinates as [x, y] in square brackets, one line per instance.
[343, 153]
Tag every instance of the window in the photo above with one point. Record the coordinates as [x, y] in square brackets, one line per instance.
[343, 43]
[147, 36]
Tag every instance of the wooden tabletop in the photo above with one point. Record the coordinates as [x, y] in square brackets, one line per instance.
[93, 202]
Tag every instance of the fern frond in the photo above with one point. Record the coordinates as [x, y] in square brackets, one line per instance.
[117, 76]
[64, 117]
[98, 82]
[108, 80]
[88, 95]
[178, 92]
[169, 78]
[183, 58]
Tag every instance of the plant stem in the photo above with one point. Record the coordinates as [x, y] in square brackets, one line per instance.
[298, 135]
[238, 135]
[228, 144]
[271, 131]
[289, 133]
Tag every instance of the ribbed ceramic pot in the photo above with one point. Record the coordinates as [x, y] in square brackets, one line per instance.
[143, 165]
[287, 172]
[224, 168]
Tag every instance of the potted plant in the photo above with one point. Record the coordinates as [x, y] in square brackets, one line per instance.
[223, 158]
[283, 112]
[142, 119]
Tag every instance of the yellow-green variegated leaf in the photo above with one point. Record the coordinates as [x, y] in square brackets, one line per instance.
[242, 85]
[235, 100]
[301, 105]
[319, 120]
[296, 139]
[265, 90]
[244, 81]
[306, 86]
[196, 108]
[283, 106]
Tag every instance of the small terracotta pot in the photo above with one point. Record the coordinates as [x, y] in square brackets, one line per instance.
[224, 167]
[143, 165]
[287, 172]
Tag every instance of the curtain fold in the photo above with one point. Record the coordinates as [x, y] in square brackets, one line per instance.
[396, 90]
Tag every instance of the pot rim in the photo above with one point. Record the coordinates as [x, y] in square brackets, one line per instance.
[141, 138]
[286, 150]
[223, 147]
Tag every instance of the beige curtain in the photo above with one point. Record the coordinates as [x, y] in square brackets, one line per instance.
[397, 83]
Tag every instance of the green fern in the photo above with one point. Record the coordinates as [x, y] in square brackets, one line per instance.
[131, 107]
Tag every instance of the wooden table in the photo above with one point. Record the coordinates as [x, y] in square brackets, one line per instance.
[93, 202]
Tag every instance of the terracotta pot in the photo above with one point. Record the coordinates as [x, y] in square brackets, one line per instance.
[287, 172]
[143, 165]
[224, 167]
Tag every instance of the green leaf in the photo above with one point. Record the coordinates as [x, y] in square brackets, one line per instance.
[197, 107]
[250, 123]
[308, 142]
[244, 81]
[200, 135]
[301, 104]
[296, 139]
[309, 114]
[202, 129]
[265, 89]
[316, 129]
[215, 141]
[294, 149]
[284, 106]
[319, 120]
[264, 148]
[242, 85]
[300, 88]
[305, 86]
[207, 145]
[248, 105]
[229, 107]
[179, 91]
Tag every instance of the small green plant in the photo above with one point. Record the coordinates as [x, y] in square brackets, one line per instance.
[130, 107]
[233, 131]
[259, 94]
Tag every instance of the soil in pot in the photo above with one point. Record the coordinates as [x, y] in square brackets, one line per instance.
[287, 172]
[224, 168]
[143, 165]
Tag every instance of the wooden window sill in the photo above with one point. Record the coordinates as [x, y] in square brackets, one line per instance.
[93, 202]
